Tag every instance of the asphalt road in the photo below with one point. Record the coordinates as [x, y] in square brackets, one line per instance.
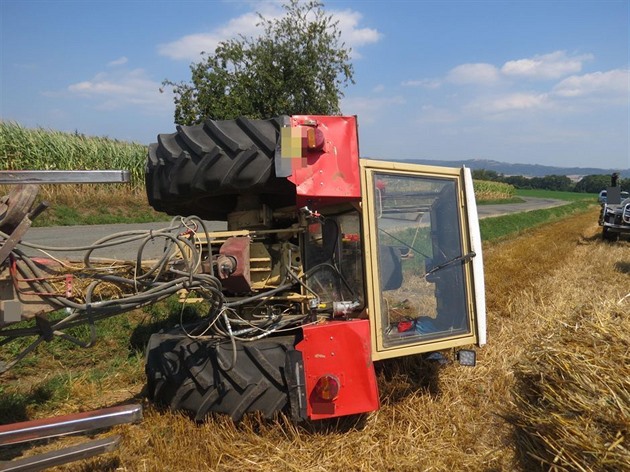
[529, 204]
[75, 236]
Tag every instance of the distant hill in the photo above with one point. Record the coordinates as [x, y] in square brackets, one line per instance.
[526, 170]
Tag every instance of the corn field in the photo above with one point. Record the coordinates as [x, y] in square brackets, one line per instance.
[487, 190]
[41, 149]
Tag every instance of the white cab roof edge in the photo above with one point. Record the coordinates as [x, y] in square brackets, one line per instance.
[477, 261]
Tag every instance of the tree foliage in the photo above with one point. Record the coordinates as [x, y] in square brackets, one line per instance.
[485, 174]
[588, 183]
[594, 183]
[298, 65]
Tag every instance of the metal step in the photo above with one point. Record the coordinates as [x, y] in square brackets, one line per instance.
[62, 456]
[61, 425]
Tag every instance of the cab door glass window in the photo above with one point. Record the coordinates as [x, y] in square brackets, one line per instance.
[420, 259]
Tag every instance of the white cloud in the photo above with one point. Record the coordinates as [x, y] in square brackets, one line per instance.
[547, 66]
[190, 46]
[118, 62]
[500, 97]
[351, 34]
[575, 95]
[123, 88]
[479, 73]
[517, 101]
[425, 83]
[370, 109]
[611, 83]
[502, 106]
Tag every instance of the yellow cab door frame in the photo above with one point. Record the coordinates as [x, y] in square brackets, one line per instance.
[424, 267]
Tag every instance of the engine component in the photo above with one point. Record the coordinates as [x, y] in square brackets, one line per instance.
[233, 265]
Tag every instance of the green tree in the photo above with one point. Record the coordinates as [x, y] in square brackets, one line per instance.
[518, 181]
[592, 183]
[485, 174]
[556, 182]
[297, 66]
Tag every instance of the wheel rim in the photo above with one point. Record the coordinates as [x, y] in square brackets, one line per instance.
[15, 206]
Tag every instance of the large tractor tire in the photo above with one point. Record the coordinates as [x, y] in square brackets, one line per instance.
[202, 169]
[197, 375]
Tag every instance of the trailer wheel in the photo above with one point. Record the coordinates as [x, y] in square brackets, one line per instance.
[196, 375]
[15, 206]
[202, 169]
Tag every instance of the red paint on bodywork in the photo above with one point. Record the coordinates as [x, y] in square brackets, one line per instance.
[340, 349]
[330, 174]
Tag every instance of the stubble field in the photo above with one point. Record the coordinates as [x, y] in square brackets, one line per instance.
[550, 390]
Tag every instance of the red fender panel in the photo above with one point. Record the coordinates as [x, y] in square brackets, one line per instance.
[332, 173]
[341, 351]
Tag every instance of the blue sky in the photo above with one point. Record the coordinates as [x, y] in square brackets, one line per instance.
[539, 82]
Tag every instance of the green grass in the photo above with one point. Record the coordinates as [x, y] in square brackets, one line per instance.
[130, 212]
[510, 225]
[569, 196]
[501, 201]
[15, 405]
[117, 354]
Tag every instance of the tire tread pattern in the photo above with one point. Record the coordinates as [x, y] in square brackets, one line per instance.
[203, 169]
[196, 375]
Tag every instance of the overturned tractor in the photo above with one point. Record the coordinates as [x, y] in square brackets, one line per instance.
[329, 263]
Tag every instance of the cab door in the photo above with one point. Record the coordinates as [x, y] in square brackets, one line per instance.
[424, 269]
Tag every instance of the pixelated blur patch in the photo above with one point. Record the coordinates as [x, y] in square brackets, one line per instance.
[291, 142]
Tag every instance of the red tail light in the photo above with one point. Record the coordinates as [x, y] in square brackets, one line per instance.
[327, 388]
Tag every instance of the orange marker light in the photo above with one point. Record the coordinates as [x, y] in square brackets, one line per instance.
[314, 139]
[327, 388]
